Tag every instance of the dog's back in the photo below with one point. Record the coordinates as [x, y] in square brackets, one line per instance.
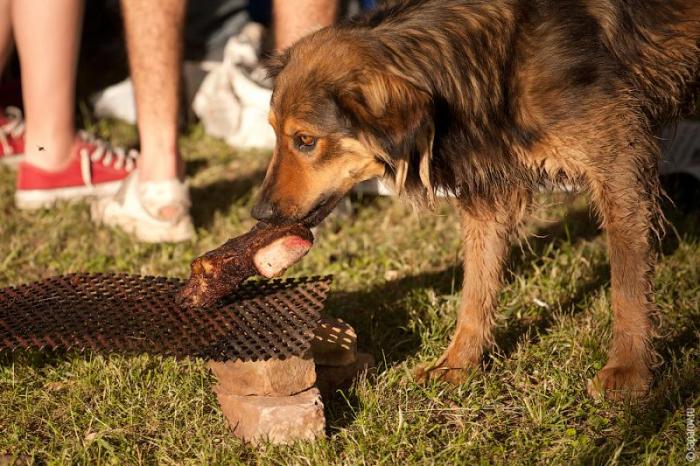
[658, 43]
[653, 44]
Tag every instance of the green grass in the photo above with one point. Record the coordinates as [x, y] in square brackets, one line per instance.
[397, 281]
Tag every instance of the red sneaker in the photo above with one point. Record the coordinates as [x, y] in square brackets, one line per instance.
[11, 136]
[95, 170]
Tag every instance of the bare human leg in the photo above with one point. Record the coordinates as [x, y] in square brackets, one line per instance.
[154, 41]
[293, 20]
[6, 42]
[153, 206]
[47, 36]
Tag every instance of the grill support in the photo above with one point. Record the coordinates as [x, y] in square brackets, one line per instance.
[119, 313]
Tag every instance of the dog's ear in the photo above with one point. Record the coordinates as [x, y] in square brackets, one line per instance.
[276, 63]
[396, 119]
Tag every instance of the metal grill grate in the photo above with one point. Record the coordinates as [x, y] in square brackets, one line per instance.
[131, 314]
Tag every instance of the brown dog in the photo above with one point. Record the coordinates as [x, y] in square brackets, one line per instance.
[486, 100]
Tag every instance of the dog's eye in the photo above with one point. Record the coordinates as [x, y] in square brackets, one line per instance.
[305, 143]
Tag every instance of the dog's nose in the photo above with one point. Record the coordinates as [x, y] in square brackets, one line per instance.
[262, 210]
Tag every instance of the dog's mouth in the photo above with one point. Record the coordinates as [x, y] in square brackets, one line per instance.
[321, 211]
[315, 216]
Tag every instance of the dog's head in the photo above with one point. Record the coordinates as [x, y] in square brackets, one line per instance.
[341, 116]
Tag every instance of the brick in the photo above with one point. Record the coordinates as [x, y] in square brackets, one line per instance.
[277, 419]
[334, 343]
[274, 377]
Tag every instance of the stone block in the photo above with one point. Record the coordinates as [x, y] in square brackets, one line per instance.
[275, 377]
[277, 419]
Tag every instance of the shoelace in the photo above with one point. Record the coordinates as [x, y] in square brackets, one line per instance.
[107, 155]
[13, 128]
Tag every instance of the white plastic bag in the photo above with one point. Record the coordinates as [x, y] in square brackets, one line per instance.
[230, 104]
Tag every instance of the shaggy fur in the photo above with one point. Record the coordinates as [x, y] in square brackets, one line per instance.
[487, 100]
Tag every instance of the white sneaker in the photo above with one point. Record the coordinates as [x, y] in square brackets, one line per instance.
[116, 101]
[154, 211]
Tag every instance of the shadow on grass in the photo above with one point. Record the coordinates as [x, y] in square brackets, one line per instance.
[340, 409]
[380, 313]
[192, 167]
[220, 196]
[34, 358]
[507, 338]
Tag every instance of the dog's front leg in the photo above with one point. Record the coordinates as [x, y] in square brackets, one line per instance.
[486, 231]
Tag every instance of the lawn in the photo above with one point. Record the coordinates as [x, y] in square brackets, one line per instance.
[397, 281]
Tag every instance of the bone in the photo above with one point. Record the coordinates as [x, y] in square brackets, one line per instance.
[274, 259]
[266, 249]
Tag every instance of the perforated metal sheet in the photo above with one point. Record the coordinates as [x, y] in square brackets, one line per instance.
[131, 314]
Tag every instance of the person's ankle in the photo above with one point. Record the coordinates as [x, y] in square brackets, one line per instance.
[49, 154]
[160, 166]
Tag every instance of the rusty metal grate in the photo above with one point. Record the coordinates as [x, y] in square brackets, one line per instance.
[131, 314]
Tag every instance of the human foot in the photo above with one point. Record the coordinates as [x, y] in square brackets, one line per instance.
[94, 169]
[152, 211]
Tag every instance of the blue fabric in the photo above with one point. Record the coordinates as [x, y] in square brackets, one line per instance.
[368, 4]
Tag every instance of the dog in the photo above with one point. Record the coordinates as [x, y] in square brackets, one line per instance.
[487, 100]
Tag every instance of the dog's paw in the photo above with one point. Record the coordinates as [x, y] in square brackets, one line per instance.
[620, 382]
[448, 368]
[426, 373]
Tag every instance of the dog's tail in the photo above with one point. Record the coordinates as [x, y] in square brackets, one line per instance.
[658, 41]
